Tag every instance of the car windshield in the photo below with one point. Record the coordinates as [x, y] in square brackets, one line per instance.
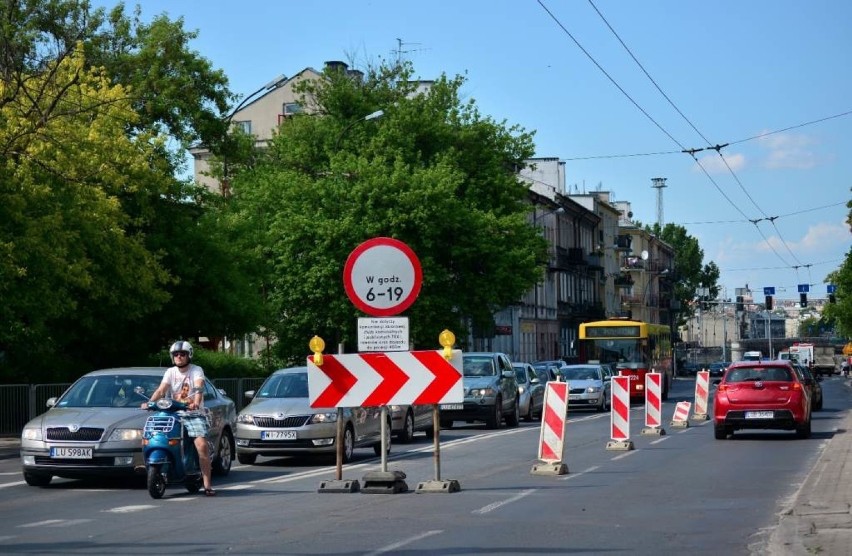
[285, 385]
[116, 390]
[478, 366]
[754, 374]
[581, 373]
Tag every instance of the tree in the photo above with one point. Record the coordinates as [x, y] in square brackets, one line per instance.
[104, 255]
[689, 274]
[839, 314]
[432, 172]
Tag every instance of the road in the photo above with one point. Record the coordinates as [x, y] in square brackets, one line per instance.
[682, 492]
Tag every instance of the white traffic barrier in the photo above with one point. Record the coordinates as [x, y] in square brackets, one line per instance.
[702, 392]
[653, 404]
[620, 415]
[681, 415]
[551, 443]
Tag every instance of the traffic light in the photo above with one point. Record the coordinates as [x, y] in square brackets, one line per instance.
[768, 302]
[803, 299]
[740, 304]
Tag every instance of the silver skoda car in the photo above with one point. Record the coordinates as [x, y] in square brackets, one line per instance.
[95, 428]
[280, 421]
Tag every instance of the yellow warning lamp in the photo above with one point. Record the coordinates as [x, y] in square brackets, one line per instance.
[317, 345]
[847, 349]
[448, 340]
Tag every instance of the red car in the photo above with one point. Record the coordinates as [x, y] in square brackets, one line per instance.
[761, 395]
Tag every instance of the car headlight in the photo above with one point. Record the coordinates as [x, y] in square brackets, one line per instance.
[395, 409]
[246, 418]
[593, 389]
[482, 392]
[125, 434]
[330, 417]
[520, 389]
[31, 433]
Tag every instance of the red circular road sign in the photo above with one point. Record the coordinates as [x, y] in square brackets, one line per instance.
[382, 276]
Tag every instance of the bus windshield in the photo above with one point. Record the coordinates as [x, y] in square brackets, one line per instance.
[624, 351]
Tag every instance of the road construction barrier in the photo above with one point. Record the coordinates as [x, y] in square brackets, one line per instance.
[702, 392]
[653, 404]
[620, 415]
[551, 443]
[681, 415]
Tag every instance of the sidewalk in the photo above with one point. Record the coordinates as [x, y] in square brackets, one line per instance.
[819, 520]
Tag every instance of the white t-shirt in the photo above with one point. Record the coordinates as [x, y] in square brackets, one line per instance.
[181, 384]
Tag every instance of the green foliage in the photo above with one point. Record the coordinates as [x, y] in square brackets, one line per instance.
[431, 172]
[839, 314]
[689, 272]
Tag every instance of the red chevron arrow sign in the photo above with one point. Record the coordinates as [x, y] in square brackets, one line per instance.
[391, 378]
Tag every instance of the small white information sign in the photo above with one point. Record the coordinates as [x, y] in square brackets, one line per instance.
[383, 334]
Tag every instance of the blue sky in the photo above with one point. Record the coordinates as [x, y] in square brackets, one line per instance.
[735, 70]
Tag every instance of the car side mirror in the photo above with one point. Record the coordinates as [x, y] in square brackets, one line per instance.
[249, 394]
[716, 382]
[534, 381]
[508, 374]
[607, 378]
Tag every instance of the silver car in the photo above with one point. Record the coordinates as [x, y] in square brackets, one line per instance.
[408, 419]
[530, 390]
[588, 386]
[280, 421]
[95, 428]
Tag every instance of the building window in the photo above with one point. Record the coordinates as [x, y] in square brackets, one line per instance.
[291, 108]
[244, 126]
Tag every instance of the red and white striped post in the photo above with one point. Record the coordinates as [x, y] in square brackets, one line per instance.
[620, 415]
[551, 443]
[702, 392]
[653, 404]
[681, 415]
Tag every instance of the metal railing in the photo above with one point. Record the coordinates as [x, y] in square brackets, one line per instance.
[21, 402]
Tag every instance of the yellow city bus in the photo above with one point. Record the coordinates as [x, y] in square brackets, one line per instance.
[632, 347]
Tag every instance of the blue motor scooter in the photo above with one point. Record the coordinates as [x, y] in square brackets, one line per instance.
[170, 456]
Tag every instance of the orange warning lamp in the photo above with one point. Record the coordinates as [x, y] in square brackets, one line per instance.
[317, 345]
[448, 340]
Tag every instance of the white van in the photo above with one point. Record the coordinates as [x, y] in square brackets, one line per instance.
[752, 356]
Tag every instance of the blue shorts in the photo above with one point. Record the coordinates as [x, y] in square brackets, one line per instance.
[195, 424]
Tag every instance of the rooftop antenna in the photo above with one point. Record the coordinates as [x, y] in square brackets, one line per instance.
[659, 184]
[400, 51]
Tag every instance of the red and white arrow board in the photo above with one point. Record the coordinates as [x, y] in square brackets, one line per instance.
[390, 378]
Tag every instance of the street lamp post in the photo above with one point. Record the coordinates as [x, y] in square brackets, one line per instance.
[371, 116]
[274, 84]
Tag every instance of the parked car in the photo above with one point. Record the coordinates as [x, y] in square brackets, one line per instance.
[95, 428]
[761, 395]
[546, 372]
[589, 385]
[490, 392]
[409, 419]
[279, 421]
[812, 382]
[530, 390]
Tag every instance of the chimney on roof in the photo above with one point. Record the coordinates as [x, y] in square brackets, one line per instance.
[336, 65]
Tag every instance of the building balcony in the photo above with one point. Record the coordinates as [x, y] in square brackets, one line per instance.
[631, 300]
[623, 280]
[633, 263]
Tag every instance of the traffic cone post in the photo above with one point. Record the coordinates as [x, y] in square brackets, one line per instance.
[702, 392]
[620, 415]
[551, 444]
[653, 405]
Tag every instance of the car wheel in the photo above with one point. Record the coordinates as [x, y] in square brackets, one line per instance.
[804, 431]
[446, 425]
[377, 448]
[406, 435]
[720, 432]
[223, 458]
[496, 417]
[430, 431]
[37, 479]
[194, 485]
[601, 406]
[514, 419]
[246, 459]
[348, 444]
[819, 405]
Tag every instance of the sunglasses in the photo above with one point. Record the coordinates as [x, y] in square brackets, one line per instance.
[180, 353]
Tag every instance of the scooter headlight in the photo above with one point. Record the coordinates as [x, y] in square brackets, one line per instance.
[163, 403]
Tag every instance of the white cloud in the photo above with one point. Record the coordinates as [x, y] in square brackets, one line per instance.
[714, 164]
[788, 150]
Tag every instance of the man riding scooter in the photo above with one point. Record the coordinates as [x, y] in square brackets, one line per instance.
[186, 379]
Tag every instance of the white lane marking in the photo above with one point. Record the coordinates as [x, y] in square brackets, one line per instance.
[661, 439]
[128, 509]
[235, 487]
[583, 472]
[624, 455]
[6, 537]
[400, 544]
[4, 485]
[70, 522]
[495, 505]
[10, 473]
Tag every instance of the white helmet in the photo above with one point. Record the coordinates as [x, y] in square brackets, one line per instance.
[181, 345]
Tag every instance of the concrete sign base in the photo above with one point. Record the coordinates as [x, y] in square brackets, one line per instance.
[339, 486]
[550, 468]
[438, 486]
[620, 445]
[384, 482]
